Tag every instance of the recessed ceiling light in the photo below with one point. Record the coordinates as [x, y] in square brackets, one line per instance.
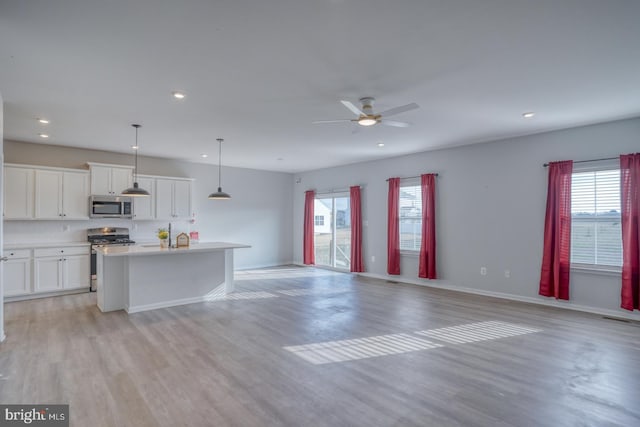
[178, 95]
[528, 114]
[380, 144]
[204, 155]
[43, 121]
[43, 135]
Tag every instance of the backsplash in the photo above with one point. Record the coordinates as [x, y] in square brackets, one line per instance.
[76, 231]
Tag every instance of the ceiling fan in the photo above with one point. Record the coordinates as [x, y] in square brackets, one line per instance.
[366, 116]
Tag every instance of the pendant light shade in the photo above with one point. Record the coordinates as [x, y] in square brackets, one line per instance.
[219, 195]
[135, 191]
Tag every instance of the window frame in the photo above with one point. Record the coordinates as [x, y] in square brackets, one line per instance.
[602, 269]
[409, 182]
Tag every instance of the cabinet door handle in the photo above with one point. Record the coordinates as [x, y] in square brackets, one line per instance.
[64, 214]
[4, 258]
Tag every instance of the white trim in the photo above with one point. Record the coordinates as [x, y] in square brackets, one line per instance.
[48, 168]
[36, 295]
[439, 284]
[165, 304]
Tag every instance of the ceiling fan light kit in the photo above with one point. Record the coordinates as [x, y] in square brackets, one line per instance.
[367, 117]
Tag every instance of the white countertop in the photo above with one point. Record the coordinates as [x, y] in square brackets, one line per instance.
[155, 249]
[45, 245]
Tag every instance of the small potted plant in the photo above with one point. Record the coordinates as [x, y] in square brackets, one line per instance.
[163, 235]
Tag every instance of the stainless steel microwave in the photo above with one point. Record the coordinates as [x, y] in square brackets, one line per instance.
[110, 207]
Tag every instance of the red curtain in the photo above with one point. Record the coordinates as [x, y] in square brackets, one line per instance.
[309, 256]
[428, 243]
[357, 265]
[393, 227]
[630, 201]
[554, 275]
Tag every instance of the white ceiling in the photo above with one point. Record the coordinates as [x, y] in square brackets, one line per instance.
[257, 73]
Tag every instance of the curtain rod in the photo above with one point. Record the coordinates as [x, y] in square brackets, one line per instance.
[587, 161]
[410, 177]
[337, 190]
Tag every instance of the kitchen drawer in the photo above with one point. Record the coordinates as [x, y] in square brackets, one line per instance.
[69, 250]
[17, 253]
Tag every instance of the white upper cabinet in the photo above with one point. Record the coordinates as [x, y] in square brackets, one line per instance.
[75, 195]
[61, 194]
[110, 179]
[145, 207]
[18, 192]
[48, 194]
[173, 198]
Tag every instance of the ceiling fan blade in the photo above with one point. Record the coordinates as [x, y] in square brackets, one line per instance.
[316, 122]
[395, 123]
[353, 108]
[398, 110]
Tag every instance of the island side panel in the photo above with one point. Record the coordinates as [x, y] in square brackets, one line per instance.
[166, 280]
[228, 271]
[112, 277]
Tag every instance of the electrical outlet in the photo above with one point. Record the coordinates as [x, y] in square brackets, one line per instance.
[483, 271]
[365, 223]
[373, 258]
[507, 273]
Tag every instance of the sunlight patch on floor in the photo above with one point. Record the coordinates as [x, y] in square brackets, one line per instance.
[300, 292]
[384, 345]
[241, 296]
[282, 273]
[475, 332]
[360, 348]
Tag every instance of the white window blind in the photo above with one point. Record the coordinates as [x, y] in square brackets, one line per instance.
[596, 234]
[410, 217]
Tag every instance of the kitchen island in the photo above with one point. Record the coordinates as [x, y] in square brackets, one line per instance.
[146, 277]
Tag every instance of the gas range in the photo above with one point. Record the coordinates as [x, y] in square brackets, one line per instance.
[109, 236]
[105, 236]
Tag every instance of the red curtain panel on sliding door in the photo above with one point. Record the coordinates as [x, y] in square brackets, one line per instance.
[554, 275]
[308, 249]
[357, 265]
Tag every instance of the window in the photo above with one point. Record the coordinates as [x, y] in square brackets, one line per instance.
[319, 220]
[410, 217]
[596, 233]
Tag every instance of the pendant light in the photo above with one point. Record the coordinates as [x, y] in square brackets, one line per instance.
[219, 195]
[135, 191]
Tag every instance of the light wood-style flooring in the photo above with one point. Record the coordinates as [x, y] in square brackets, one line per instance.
[239, 361]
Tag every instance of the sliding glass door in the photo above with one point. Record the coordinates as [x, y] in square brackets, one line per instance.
[332, 231]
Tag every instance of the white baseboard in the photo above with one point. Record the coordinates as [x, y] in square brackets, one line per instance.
[568, 305]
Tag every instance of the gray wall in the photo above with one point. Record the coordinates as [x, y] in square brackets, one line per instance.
[259, 213]
[490, 210]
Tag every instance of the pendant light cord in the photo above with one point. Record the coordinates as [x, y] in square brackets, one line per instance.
[135, 171]
[135, 156]
[220, 163]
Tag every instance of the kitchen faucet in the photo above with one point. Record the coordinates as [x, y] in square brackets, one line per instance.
[169, 235]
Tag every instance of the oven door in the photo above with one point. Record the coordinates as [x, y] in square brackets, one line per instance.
[94, 270]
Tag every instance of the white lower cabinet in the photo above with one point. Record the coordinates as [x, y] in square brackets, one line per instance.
[44, 270]
[48, 274]
[76, 271]
[16, 274]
